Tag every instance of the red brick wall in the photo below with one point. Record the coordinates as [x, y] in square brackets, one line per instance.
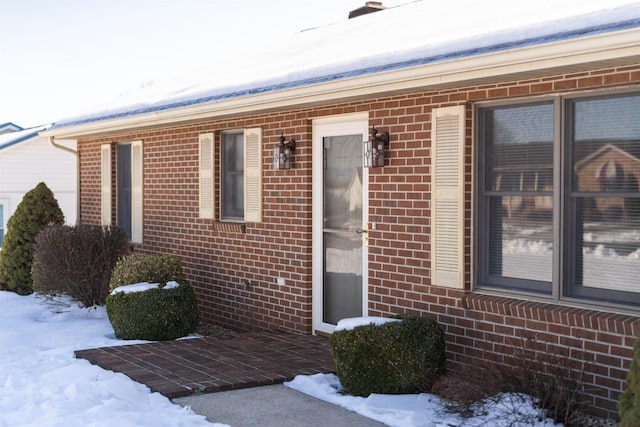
[218, 259]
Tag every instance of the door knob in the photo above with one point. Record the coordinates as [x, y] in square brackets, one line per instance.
[366, 234]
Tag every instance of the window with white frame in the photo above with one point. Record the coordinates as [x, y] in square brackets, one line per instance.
[128, 187]
[558, 198]
[240, 171]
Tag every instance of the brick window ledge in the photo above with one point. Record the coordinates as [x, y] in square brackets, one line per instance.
[553, 313]
[230, 227]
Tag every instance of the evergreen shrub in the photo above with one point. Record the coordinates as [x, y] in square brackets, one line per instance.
[38, 209]
[153, 314]
[629, 405]
[136, 268]
[78, 260]
[395, 357]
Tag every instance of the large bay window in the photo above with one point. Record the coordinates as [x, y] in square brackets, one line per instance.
[558, 199]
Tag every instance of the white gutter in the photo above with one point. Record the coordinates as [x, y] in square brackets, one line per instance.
[75, 153]
[603, 50]
[62, 147]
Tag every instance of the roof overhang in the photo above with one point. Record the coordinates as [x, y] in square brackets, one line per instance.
[600, 51]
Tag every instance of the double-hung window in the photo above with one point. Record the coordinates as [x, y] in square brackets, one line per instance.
[558, 199]
[128, 187]
[240, 172]
[232, 176]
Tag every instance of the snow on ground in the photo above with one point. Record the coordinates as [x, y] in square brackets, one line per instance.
[43, 385]
[421, 410]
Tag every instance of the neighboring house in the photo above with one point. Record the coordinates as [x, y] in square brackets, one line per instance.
[466, 91]
[610, 169]
[27, 159]
[9, 127]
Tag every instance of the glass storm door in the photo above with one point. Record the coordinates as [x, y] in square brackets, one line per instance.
[339, 224]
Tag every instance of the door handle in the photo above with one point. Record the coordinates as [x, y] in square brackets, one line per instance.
[364, 230]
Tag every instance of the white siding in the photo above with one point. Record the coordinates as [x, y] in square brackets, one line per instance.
[24, 165]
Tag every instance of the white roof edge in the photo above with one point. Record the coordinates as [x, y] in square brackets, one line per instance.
[567, 53]
[14, 139]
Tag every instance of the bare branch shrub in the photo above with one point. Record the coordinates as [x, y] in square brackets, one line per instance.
[77, 261]
[553, 380]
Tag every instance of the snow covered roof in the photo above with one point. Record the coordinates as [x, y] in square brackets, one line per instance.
[9, 127]
[12, 138]
[411, 36]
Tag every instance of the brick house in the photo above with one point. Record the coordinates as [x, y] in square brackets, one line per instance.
[436, 231]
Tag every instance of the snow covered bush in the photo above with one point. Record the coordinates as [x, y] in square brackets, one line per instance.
[136, 268]
[37, 209]
[390, 358]
[629, 405]
[153, 312]
[77, 260]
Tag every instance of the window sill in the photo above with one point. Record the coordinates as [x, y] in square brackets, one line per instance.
[548, 312]
[230, 227]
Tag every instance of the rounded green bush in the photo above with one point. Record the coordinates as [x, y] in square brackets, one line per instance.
[396, 357]
[158, 314]
[137, 268]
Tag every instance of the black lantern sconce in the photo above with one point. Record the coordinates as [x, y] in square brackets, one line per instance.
[282, 154]
[374, 148]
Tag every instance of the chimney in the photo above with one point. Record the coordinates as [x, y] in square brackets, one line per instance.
[369, 7]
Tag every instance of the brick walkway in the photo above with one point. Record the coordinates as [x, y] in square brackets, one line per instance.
[219, 363]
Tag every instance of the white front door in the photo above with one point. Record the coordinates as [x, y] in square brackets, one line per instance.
[339, 220]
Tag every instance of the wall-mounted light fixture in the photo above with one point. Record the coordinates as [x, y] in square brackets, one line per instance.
[374, 148]
[282, 154]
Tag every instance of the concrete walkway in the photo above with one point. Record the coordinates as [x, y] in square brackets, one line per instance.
[272, 406]
[234, 379]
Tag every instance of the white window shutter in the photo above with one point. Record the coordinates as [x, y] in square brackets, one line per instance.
[253, 175]
[136, 192]
[447, 196]
[105, 183]
[207, 176]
